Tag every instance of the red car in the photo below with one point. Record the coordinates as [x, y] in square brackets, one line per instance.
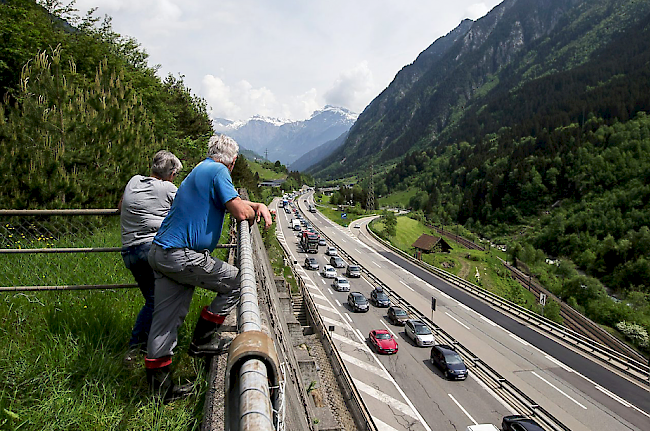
[383, 341]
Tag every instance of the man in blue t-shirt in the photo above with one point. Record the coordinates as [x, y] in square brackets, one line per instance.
[180, 258]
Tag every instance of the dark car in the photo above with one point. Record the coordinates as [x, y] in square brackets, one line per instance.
[519, 423]
[358, 302]
[311, 263]
[353, 271]
[379, 298]
[397, 316]
[449, 362]
[337, 262]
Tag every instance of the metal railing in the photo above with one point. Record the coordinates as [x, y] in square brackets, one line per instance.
[604, 354]
[516, 398]
[350, 392]
[253, 371]
[252, 357]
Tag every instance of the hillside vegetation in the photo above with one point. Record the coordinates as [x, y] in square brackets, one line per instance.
[528, 127]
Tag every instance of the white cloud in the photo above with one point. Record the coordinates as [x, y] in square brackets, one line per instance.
[477, 10]
[284, 58]
[352, 88]
[239, 101]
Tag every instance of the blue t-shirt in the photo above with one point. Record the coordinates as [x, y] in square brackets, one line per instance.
[196, 217]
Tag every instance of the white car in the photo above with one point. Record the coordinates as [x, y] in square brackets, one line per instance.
[341, 284]
[331, 251]
[329, 271]
[420, 333]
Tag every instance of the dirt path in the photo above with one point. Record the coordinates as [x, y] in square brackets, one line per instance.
[464, 269]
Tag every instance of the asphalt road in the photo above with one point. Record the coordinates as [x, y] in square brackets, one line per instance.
[404, 391]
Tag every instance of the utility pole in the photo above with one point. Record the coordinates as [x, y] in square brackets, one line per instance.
[370, 203]
[266, 154]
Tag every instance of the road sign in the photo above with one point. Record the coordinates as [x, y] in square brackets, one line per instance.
[433, 304]
[344, 215]
[542, 299]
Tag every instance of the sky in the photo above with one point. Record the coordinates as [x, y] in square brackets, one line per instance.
[284, 58]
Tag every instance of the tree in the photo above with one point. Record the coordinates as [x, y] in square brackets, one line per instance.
[390, 223]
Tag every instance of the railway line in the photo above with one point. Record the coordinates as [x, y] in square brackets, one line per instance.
[575, 321]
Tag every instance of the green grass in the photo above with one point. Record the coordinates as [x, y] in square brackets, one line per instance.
[460, 261]
[276, 256]
[265, 174]
[61, 360]
[331, 212]
[397, 199]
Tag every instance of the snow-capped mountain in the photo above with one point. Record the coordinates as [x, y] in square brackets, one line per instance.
[287, 140]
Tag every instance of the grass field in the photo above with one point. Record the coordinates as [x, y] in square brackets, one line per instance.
[61, 357]
[265, 174]
[334, 214]
[479, 267]
[397, 199]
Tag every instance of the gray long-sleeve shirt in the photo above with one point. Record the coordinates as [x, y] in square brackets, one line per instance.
[145, 204]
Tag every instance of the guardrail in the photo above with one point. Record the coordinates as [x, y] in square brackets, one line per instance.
[629, 366]
[519, 400]
[253, 372]
[351, 394]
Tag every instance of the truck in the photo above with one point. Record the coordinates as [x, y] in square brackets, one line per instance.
[309, 242]
[295, 224]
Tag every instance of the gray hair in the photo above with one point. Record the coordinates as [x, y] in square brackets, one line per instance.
[222, 148]
[165, 164]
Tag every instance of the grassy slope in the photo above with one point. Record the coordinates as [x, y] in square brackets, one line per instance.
[265, 174]
[460, 261]
[61, 361]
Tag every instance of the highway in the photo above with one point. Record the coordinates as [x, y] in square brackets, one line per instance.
[404, 391]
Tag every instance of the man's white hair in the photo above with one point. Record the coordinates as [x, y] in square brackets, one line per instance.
[222, 148]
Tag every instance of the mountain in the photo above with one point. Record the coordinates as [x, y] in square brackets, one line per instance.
[288, 140]
[518, 42]
[317, 154]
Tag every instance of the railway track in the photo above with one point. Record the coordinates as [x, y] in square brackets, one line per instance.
[575, 321]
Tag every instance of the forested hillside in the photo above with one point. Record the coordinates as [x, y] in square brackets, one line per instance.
[82, 110]
[530, 126]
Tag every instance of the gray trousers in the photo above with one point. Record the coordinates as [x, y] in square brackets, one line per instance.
[177, 271]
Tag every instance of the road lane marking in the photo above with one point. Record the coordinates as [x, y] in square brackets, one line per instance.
[376, 264]
[457, 321]
[487, 320]
[333, 321]
[558, 389]
[385, 399]
[363, 364]
[361, 337]
[326, 308]
[338, 303]
[323, 280]
[348, 317]
[316, 295]
[389, 330]
[518, 339]
[613, 396]
[382, 426]
[330, 291]
[407, 286]
[346, 340]
[559, 364]
[462, 408]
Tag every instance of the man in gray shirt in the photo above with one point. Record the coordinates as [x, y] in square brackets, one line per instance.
[144, 205]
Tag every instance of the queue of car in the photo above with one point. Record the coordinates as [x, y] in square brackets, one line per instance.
[442, 356]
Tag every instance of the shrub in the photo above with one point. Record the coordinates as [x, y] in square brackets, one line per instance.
[635, 333]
